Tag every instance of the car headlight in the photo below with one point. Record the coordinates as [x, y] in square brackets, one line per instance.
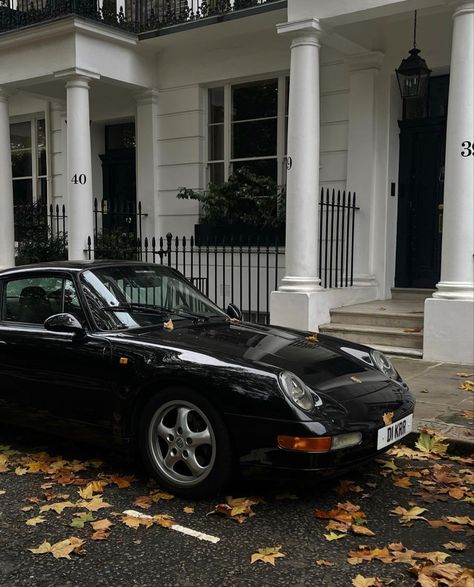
[383, 363]
[298, 392]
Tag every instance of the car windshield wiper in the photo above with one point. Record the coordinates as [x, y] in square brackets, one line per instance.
[152, 309]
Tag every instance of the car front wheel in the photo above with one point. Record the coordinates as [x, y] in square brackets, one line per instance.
[185, 443]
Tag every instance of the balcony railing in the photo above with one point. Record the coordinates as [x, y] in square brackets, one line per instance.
[133, 15]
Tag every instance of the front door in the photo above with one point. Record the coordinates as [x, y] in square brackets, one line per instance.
[420, 203]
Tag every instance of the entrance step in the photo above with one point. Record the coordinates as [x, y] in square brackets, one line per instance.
[399, 351]
[376, 335]
[411, 293]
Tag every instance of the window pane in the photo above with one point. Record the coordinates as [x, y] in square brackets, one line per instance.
[255, 100]
[216, 142]
[20, 135]
[254, 139]
[42, 193]
[263, 167]
[40, 134]
[42, 162]
[22, 192]
[21, 163]
[216, 105]
[216, 173]
[120, 136]
[287, 94]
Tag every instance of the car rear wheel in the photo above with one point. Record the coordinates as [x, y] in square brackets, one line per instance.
[185, 444]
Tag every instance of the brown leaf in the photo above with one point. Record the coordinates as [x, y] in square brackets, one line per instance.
[407, 517]
[135, 522]
[58, 507]
[94, 505]
[104, 524]
[312, 338]
[362, 530]
[168, 325]
[188, 509]
[144, 502]
[267, 555]
[455, 546]
[361, 581]
[465, 386]
[404, 482]
[356, 379]
[388, 418]
[324, 563]
[163, 520]
[100, 535]
[35, 521]
[157, 495]
[463, 374]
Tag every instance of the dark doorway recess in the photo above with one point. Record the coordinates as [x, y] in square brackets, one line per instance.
[119, 179]
[421, 183]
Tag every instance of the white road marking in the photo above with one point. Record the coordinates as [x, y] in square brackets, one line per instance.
[176, 527]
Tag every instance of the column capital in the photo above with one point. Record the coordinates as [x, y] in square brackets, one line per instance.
[149, 96]
[304, 32]
[73, 74]
[361, 61]
[461, 6]
[4, 95]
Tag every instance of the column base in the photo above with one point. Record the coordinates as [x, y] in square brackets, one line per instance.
[365, 281]
[448, 334]
[308, 310]
[454, 290]
[300, 284]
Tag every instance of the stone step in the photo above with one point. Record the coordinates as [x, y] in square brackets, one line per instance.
[375, 335]
[411, 293]
[378, 318]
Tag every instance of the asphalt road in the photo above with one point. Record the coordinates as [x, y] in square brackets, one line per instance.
[159, 556]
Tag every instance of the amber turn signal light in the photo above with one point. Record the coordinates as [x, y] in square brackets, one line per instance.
[305, 444]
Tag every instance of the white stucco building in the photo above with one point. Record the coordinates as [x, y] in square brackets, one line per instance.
[95, 105]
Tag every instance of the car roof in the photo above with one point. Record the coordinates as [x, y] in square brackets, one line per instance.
[72, 266]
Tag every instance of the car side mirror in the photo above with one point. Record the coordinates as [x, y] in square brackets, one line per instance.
[233, 311]
[63, 323]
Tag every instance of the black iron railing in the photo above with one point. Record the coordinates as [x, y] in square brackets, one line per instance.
[132, 15]
[337, 213]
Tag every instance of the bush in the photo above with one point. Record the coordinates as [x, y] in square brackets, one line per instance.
[116, 244]
[245, 198]
[39, 244]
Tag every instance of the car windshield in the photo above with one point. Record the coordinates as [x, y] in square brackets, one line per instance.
[133, 296]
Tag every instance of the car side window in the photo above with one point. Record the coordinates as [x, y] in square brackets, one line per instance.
[31, 300]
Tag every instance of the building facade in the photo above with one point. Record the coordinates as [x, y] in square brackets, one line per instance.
[133, 101]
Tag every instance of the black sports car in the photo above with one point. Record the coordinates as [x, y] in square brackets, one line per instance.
[133, 353]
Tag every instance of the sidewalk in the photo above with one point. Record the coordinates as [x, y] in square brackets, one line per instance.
[440, 403]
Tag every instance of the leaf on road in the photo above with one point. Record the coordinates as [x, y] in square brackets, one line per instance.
[387, 418]
[163, 520]
[238, 509]
[267, 555]
[135, 522]
[143, 501]
[468, 414]
[464, 374]
[362, 530]
[346, 485]
[121, 481]
[58, 507]
[407, 517]
[431, 443]
[324, 563]
[94, 487]
[80, 520]
[403, 482]
[62, 549]
[168, 325]
[188, 509]
[333, 536]
[454, 546]
[93, 505]
[361, 581]
[35, 521]
[449, 574]
[157, 495]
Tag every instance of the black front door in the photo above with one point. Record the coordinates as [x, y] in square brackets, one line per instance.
[420, 203]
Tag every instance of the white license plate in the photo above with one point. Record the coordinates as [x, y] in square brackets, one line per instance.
[393, 432]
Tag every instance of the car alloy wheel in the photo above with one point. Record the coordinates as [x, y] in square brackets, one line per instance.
[182, 443]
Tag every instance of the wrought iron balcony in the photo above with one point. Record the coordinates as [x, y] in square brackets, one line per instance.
[133, 15]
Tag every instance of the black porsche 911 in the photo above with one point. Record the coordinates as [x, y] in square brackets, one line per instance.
[133, 354]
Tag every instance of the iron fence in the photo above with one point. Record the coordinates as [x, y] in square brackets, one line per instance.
[132, 15]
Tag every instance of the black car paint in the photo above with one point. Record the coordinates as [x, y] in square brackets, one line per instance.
[94, 386]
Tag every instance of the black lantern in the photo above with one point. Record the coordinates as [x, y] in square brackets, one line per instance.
[413, 74]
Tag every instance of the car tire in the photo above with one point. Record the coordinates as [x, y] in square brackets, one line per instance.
[184, 443]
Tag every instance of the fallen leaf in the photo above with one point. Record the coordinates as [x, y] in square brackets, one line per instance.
[388, 418]
[103, 524]
[356, 379]
[62, 549]
[463, 374]
[157, 495]
[80, 520]
[312, 338]
[407, 517]
[188, 509]
[362, 530]
[468, 414]
[168, 325]
[415, 329]
[135, 522]
[454, 546]
[361, 581]
[58, 507]
[91, 488]
[267, 555]
[431, 443]
[35, 521]
[121, 481]
[163, 520]
[94, 505]
[404, 482]
[333, 536]
[324, 563]
[100, 535]
[465, 386]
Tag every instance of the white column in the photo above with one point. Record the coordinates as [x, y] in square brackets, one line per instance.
[457, 270]
[362, 158]
[146, 133]
[7, 237]
[79, 167]
[302, 195]
[449, 315]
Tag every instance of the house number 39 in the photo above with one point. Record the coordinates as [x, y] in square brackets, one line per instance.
[81, 178]
[468, 149]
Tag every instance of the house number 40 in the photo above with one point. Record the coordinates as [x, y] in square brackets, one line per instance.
[468, 149]
[79, 178]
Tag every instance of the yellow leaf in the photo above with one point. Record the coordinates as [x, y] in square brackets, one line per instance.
[101, 524]
[58, 507]
[267, 555]
[431, 443]
[361, 581]
[455, 546]
[163, 520]
[168, 325]
[21, 471]
[362, 530]
[356, 379]
[64, 548]
[94, 505]
[467, 385]
[333, 536]
[35, 521]
[408, 516]
[463, 374]
[188, 509]
[134, 521]
[42, 548]
[388, 418]
[324, 563]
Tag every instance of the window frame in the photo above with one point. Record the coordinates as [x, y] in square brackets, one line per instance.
[281, 117]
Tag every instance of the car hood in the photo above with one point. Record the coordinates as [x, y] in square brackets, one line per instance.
[331, 366]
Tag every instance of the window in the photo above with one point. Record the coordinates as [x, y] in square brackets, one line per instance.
[247, 128]
[33, 299]
[29, 164]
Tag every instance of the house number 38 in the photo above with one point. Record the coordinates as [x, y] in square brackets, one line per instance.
[468, 149]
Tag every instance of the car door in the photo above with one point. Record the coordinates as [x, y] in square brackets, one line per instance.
[51, 379]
